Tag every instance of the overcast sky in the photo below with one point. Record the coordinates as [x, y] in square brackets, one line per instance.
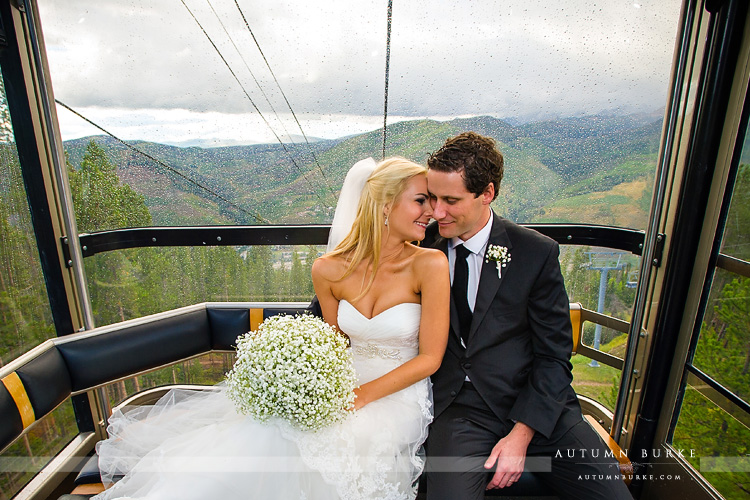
[143, 69]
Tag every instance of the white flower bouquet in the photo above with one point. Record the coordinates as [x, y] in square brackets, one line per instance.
[294, 367]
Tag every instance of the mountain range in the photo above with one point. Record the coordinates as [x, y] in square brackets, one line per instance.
[593, 169]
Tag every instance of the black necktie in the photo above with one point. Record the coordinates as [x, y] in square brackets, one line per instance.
[459, 289]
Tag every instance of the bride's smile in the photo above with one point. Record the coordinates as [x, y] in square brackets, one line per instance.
[411, 212]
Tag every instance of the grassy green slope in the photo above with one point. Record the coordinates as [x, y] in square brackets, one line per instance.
[592, 169]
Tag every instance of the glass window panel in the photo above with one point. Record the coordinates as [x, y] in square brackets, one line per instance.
[583, 269]
[21, 461]
[715, 443]
[605, 339]
[26, 315]
[736, 240]
[208, 369]
[599, 382]
[132, 283]
[602, 280]
[26, 318]
[574, 93]
[712, 428]
[723, 350]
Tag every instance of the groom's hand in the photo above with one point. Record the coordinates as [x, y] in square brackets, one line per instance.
[510, 455]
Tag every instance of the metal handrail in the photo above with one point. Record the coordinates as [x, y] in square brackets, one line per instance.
[619, 238]
[733, 265]
[719, 395]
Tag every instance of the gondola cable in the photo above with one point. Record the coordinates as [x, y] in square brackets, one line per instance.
[256, 216]
[226, 63]
[257, 83]
[387, 71]
[294, 115]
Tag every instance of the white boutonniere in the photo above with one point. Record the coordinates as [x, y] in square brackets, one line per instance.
[498, 254]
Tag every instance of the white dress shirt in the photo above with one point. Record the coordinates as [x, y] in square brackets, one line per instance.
[477, 245]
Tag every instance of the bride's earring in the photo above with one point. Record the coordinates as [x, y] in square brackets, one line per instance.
[386, 220]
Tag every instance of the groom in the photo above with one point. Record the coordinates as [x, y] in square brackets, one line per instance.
[503, 392]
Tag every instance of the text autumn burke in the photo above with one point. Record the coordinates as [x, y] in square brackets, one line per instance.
[653, 453]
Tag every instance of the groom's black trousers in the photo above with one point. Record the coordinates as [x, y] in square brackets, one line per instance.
[462, 437]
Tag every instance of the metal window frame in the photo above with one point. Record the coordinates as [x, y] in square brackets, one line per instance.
[23, 76]
[719, 91]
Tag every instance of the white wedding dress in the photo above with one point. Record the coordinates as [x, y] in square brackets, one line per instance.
[193, 445]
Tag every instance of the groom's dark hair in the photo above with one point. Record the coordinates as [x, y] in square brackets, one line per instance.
[475, 156]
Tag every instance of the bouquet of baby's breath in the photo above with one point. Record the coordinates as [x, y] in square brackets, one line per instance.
[294, 367]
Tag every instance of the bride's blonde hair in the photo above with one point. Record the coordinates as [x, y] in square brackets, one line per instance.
[383, 187]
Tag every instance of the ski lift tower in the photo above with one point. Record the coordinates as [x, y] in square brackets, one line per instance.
[604, 262]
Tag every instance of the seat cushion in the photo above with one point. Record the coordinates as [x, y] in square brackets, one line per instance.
[89, 472]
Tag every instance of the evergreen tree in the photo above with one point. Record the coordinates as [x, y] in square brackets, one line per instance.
[312, 254]
[297, 278]
[101, 202]
[25, 315]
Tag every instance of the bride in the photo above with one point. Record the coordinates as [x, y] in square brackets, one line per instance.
[390, 297]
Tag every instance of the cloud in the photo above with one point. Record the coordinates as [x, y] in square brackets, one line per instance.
[512, 58]
[181, 127]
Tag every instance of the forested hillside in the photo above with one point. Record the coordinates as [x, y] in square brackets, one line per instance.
[594, 169]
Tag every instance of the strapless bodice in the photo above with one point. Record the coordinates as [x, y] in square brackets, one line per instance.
[391, 334]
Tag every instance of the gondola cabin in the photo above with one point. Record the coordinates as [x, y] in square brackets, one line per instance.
[169, 172]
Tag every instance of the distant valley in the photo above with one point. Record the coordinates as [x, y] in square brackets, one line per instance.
[595, 169]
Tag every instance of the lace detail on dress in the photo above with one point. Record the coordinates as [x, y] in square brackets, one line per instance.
[356, 476]
[396, 343]
[382, 463]
[426, 403]
[371, 351]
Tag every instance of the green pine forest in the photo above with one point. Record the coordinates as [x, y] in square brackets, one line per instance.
[594, 170]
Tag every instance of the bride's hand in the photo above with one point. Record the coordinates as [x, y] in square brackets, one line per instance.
[360, 399]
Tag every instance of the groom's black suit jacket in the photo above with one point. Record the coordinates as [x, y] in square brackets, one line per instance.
[520, 342]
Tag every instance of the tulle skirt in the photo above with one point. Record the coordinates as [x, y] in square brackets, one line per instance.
[194, 445]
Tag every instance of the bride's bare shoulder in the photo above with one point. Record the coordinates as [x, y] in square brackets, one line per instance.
[329, 266]
[430, 259]
[431, 254]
